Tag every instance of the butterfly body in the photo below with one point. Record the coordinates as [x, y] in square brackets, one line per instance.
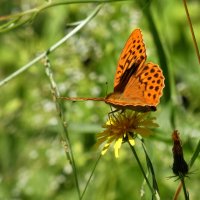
[137, 85]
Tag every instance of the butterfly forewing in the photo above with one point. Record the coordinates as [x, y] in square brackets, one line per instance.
[132, 56]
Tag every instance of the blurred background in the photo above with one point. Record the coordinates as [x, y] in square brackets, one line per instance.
[33, 164]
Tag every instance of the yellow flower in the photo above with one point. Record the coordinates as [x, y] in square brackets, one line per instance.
[123, 127]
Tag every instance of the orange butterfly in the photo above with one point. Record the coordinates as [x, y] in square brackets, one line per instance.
[138, 85]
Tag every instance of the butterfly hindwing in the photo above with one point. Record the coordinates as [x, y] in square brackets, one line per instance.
[145, 86]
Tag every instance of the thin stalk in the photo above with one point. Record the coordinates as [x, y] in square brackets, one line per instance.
[141, 168]
[37, 10]
[79, 2]
[52, 48]
[178, 190]
[195, 155]
[150, 168]
[64, 135]
[19, 19]
[192, 30]
[90, 177]
[186, 194]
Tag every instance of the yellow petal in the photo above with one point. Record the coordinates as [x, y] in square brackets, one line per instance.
[117, 146]
[110, 121]
[105, 148]
[131, 140]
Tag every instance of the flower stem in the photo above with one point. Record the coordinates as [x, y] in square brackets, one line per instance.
[186, 194]
[90, 178]
[141, 168]
[64, 134]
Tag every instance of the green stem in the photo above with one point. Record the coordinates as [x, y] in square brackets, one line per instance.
[186, 194]
[37, 10]
[192, 30]
[90, 178]
[195, 155]
[64, 134]
[141, 168]
[78, 2]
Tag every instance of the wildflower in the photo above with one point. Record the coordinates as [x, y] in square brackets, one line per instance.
[180, 167]
[123, 127]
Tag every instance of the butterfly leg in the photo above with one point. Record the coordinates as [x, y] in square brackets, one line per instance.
[112, 113]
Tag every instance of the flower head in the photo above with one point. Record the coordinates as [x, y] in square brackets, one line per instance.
[180, 167]
[123, 127]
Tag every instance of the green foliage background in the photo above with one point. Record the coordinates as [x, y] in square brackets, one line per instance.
[33, 163]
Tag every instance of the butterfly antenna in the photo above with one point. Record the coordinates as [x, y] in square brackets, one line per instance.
[192, 30]
[106, 88]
